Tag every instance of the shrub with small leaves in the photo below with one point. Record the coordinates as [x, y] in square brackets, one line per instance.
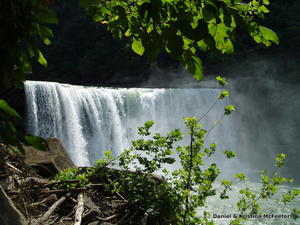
[80, 178]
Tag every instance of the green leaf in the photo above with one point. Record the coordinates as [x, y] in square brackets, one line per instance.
[295, 214]
[266, 2]
[240, 176]
[47, 41]
[41, 59]
[280, 160]
[229, 109]
[203, 46]
[229, 154]
[296, 192]
[221, 80]
[226, 182]
[45, 32]
[198, 74]
[37, 142]
[137, 46]
[269, 34]
[10, 111]
[223, 94]
[264, 9]
[108, 154]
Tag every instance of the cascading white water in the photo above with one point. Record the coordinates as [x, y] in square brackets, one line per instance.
[90, 120]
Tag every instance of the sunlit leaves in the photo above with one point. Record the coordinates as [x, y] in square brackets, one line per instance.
[229, 154]
[137, 46]
[295, 214]
[223, 94]
[182, 28]
[196, 68]
[268, 34]
[221, 80]
[249, 201]
[229, 109]
[240, 176]
[227, 186]
[73, 173]
[280, 160]
[41, 59]
[45, 34]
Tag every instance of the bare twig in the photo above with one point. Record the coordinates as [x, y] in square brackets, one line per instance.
[52, 191]
[61, 182]
[213, 127]
[50, 198]
[14, 168]
[26, 211]
[205, 114]
[63, 190]
[121, 197]
[108, 218]
[67, 216]
[56, 218]
[51, 210]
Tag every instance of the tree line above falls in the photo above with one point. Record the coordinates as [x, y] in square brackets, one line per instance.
[84, 52]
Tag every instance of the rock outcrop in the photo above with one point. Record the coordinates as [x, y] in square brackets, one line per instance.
[48, 163]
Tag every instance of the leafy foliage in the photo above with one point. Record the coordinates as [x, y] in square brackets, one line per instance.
[176, 197]
[74, 173]
[23, 23]
[182, 28]
[180, 192]
[95, 61]
[11, 136]
[270, 185]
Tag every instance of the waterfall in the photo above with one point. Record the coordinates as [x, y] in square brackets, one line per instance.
[90, 120]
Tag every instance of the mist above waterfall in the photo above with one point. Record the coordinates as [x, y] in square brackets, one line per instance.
[267, 122]
[266, 91]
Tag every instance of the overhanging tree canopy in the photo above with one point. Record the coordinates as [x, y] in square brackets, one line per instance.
[182, 28]
[23, 25]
